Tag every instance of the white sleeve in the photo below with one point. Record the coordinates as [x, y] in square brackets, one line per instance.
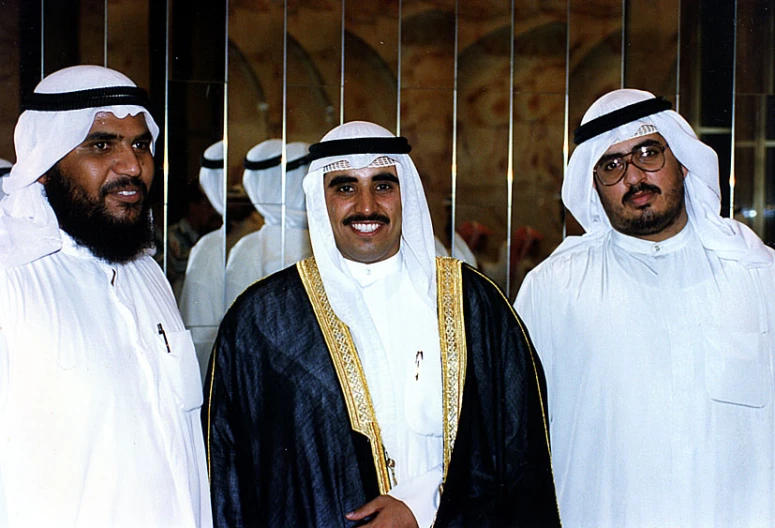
[3, 374]
[3, 397]
[421, 495]
[537, 318]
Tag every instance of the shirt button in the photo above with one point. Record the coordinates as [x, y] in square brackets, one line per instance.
[656, 248]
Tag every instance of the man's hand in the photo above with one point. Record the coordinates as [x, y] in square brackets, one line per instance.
[387, 512]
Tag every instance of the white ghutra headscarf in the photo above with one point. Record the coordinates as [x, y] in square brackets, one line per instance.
[45, 133]
[263, 181]
[211, 176]
[728, 238]
[417, 243]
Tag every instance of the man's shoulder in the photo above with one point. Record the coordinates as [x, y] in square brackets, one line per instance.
[267, 290]
[574, 250]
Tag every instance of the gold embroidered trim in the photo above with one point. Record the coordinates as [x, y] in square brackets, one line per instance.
[348, 368]
[210, 412]
[449, 285]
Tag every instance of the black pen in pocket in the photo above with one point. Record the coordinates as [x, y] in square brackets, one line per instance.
[164, 335]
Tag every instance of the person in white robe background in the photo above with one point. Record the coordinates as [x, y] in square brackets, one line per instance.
[656, 332]
[5, 169]
[459, 248]
[100, 393]
[272, 247]
[202, 295]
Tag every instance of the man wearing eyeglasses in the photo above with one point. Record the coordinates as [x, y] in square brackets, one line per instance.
[655, 329]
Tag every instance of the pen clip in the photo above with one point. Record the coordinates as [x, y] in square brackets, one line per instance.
[164, 335]
[417, 358]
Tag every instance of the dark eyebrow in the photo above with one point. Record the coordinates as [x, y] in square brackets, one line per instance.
[100, 136]
[385, 176]
[645, 143]
[110, 136]
[339, 180]
[145, 136]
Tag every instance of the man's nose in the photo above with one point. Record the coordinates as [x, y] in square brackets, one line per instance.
[633, 175]
[127, 162]
[366, 203]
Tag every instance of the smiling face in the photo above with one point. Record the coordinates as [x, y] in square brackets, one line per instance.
[113, 165]
[99, 190]
[647, 205]
[364, 207]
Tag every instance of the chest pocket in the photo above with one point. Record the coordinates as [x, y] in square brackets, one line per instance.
[738, 367]
[183, 370]
[423, 405]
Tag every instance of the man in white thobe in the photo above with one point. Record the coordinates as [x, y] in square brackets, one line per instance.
[100, 394]
[202, 295]
[5, 169]
[656, 331]
[284, 238]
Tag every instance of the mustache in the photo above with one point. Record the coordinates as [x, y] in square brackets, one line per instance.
[375, 217]
[124, 183]
[640, 188]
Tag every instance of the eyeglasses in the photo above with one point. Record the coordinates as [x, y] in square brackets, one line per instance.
[649, 158]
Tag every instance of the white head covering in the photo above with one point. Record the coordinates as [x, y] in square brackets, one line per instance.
[417, 243]
[730, 239]
[265, 186]
[211, 176]
[5, 168]
[29, 228]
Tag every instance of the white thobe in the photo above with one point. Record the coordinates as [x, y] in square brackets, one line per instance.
[99, 416]
[659, 367]
[259, 254]
[202, 296]
[412, 432]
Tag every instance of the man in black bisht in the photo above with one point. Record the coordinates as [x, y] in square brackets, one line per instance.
[375, 384]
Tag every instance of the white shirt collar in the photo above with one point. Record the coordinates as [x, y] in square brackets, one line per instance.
[646, 247]
[368, 274]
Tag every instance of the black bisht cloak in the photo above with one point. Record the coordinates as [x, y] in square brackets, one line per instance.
[280, 449]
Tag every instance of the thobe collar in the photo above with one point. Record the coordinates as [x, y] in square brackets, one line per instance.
[655, 249]
[368, 274]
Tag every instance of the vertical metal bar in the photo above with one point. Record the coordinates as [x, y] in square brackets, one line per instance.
[284, 149]
[566, 118]
[454, 136]
[225, 135]
[42, 39]
[398, 76]
[166, 162]
[624, 44]
[510, 164]
[734, 117]
[760, 143]
[105, 35]
[678, 63]
[341, 76]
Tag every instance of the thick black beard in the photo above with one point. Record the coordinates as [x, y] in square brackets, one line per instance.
[90, 224]
[649, 222]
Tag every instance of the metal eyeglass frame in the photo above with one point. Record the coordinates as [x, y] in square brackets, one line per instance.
[630, 155]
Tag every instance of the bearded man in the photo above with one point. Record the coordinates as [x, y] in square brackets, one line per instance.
[374, 384]
[99, 387]
[656, 331]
